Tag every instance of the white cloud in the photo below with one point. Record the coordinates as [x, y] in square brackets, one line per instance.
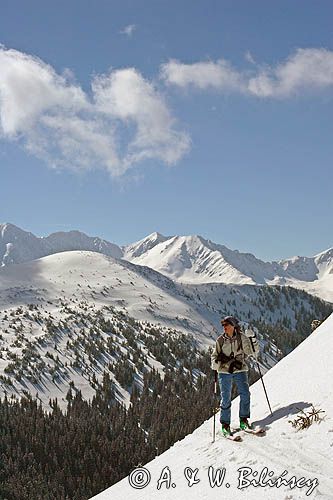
[123, 122]
[76, 143]
[28, 88]
[205, 74]
[125, 95]
[305, 70]
[128, 30]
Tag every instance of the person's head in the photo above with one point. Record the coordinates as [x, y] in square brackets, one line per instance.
[230, 324]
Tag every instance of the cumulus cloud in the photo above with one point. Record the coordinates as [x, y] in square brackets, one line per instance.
[308, 69]
[124, 121]
[28, 88]
[205, 74]
[129, 97]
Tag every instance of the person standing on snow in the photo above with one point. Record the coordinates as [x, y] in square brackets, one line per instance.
[228, 359]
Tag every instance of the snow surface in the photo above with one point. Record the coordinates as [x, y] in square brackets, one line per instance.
[145, 294]
[18, 246]
[85, 279]
[186, 259]
[89, 282]
[140, 247]
[194, 260]
[301, 379]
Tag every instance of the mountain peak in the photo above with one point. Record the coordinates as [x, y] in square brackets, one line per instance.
[140, 247]
[17, 245]
[9, 227]
[156, 236]
[195, 260]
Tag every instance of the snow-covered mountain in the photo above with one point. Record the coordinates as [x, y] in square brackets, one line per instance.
[50, 306]
[313, 274]
[185, 259]
[18, 246]
[135, 250]
[302, 458]
[102, 280]
[58, 310]
[193, 259]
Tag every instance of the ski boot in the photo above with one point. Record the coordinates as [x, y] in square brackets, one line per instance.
[226, 431]
[244, 424]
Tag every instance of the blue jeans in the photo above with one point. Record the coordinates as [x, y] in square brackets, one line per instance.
[225, 382]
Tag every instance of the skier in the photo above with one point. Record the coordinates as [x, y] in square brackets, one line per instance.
[228, 359]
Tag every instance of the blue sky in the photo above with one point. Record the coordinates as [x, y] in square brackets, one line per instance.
[188, 117]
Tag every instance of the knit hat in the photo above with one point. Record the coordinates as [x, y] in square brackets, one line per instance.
[231, 320]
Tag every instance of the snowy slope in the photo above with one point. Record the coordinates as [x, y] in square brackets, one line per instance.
[88, 283]
[315, 275]
[192, 259]
[195, 260]
[302, 378]
[18, 246]
[48, 302]
[145, 294]
[141, 247]
[186, 259]
[85, 275]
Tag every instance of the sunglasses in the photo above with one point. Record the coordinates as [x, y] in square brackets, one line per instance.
[226, 324]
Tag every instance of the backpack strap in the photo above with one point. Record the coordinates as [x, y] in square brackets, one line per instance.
[239, 341]
[220, 341]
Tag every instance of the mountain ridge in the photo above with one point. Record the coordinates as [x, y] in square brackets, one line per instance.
[195, 260]
[186, 259]
[51, 306]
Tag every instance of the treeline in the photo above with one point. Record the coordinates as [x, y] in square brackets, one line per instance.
[74, 454]
[286, 338]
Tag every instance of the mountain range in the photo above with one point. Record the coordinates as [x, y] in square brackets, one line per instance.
[185, 259]
[72, 317]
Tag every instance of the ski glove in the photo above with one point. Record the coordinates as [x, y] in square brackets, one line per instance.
[222, 358]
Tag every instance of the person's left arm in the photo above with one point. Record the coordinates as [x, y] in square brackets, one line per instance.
[250, 343]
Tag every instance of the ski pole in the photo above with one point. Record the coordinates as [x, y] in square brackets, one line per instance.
[262, 380]
[214, 413]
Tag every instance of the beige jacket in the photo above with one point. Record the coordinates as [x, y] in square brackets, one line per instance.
[228, 345]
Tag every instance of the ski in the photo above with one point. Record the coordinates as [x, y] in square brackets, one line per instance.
[257, 431]
[233, 437]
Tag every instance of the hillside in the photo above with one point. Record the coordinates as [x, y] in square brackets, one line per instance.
[195, 260]
[294, 384]
[61, 316]
[18, 246]
[185, 259]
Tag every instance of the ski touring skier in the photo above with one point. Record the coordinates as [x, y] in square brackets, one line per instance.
[228, 358]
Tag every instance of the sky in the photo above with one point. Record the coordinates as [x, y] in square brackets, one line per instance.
[191, 117]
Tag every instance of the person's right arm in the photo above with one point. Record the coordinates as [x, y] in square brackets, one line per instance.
[218, 358]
